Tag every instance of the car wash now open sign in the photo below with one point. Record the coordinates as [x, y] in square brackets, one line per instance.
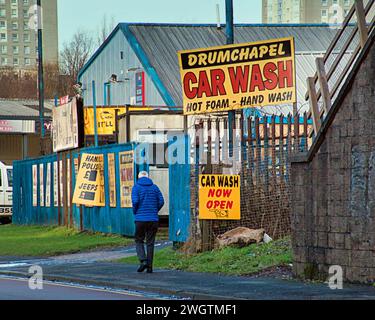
[239, 76]
[219, 197]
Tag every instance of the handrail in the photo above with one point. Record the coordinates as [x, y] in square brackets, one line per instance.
[364, 29]
[336, 39]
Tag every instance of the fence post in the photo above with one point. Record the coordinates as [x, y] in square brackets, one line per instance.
[324, 89]
[361, 20]
[313, 100]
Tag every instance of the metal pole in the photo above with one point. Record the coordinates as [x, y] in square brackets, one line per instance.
[95, 120]
[230, 40]
[40, 70]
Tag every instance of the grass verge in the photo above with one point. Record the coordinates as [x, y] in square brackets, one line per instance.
[230, 261]
[49, 241]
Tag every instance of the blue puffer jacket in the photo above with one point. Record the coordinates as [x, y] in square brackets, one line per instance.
[147, 201]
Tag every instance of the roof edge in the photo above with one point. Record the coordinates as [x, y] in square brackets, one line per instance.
[97, 52]
[143, 58]
[130, 24]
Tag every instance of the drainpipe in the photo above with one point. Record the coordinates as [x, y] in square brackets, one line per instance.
[229, 31]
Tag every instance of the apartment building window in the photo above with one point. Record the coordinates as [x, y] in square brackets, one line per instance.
[27, 50]
[3, 13]
[14, 13]
[14, 25]
[26, 37]
[15, 37]
[3, 36]
[334, 1]
[16, 61]
[2, 2]
[346, 3]
[25, 2]
[25, 13]
[25, 25]
[324, 3]
[3, 25]
[4, 49]
[324, 13]
[15, 2]
[4, 61]
[16, 50]
[27, 61]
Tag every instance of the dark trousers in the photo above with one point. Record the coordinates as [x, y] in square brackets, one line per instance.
[145, 230]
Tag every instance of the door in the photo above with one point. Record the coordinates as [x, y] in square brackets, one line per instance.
[160, 176]
[8, 188]
[2, 189]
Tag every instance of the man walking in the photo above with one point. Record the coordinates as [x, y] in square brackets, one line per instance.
[147, 201]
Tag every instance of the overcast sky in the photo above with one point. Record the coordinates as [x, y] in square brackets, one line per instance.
[88, 14]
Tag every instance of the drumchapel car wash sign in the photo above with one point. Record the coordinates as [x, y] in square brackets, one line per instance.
[89, 190]
[239, 76]
[219, 197]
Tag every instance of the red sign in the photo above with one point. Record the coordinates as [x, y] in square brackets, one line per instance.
[64, 100]
[140, 90]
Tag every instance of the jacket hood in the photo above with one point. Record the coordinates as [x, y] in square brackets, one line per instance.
[145, 182]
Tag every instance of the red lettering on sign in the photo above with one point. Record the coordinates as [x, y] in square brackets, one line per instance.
[285, 74]
[271, 76]
[239, 79]
[256, 79]
[189, 80]
[217, 81]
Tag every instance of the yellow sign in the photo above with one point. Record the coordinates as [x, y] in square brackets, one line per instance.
[112, 179]
[238, 76]
[89, 190]
[105, 118]
[219, 197]
[126, 178]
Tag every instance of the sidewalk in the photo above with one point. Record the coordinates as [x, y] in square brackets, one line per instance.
[191, 285]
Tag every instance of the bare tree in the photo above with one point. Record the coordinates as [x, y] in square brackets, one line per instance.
[75, 54]
[105, 28]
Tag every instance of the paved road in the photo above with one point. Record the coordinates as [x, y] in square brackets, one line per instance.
[18, 289]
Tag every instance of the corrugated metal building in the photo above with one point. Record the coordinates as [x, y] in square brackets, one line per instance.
[18, 129]
[152, 48]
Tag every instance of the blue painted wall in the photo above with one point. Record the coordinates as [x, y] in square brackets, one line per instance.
[104, 219]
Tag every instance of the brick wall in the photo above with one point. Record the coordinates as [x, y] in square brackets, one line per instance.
[333, 198]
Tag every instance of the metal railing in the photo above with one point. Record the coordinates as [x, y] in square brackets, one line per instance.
[353, 37]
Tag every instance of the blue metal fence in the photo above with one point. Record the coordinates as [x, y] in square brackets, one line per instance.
[179, 188]
[107, 219]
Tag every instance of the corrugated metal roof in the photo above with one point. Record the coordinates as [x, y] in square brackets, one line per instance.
[161, 43]
[28, 108]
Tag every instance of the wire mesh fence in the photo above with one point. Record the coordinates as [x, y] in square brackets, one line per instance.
[258, 149]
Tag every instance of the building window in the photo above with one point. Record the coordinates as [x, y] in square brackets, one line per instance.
[4, 49]
[16, 50]
[14, 25]
[16, 61]
[27, 50]
[3, 37]
[15, 37]
[3, 25]
[3, 13]
[14, 13]
[4, 61]
[324, 3]
[26, 37]
[27, 61]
